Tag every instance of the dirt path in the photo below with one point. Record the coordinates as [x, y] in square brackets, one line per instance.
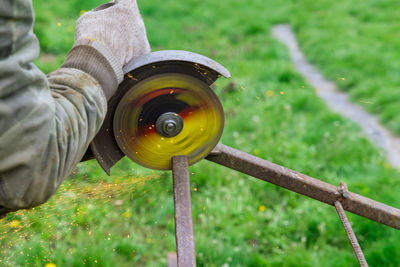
[337, 100]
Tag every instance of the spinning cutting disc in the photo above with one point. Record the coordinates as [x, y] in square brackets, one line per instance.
[168, 115]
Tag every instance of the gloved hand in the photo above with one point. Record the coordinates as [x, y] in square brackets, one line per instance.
[118, 26]
[106, 38]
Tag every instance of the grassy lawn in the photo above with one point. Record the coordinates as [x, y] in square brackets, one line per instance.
[356, 43]
[127, 219]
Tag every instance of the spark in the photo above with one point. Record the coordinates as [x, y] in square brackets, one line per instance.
[131, 77]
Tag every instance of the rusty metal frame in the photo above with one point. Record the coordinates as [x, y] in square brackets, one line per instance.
[183, 212]
[339, 197]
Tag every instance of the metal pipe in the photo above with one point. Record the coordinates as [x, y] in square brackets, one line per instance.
[183, 213]
[303, 184]
[350, 234]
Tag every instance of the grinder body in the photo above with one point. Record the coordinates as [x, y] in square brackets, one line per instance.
[169, 80]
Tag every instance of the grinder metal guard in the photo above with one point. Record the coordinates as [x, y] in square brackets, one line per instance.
[163, 108]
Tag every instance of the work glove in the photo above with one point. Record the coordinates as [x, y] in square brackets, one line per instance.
[106, 38]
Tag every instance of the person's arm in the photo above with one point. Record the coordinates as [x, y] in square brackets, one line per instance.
[47, 123]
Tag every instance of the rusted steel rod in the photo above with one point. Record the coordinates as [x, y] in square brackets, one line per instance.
[303, 184]
[183, 213]
[350, 234]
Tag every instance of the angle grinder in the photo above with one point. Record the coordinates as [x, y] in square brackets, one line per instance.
[163, 108]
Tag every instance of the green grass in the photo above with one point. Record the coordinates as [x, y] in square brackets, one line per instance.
[127, 219]
[358, 41]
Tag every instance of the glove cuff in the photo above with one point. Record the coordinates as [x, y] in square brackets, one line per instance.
[95, 59]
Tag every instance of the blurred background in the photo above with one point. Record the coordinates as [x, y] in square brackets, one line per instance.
[271, 112]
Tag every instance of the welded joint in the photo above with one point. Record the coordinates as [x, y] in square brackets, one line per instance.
[343, 190]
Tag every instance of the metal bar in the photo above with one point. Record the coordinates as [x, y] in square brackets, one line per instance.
[183, 212]
[302, 184]
[350, 234]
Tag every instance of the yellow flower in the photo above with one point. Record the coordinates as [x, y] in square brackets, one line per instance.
[262, 208]
[386, 166]
[256, 151]
[14, 223]
[126, 214]
[50, 265]
[269, 93]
